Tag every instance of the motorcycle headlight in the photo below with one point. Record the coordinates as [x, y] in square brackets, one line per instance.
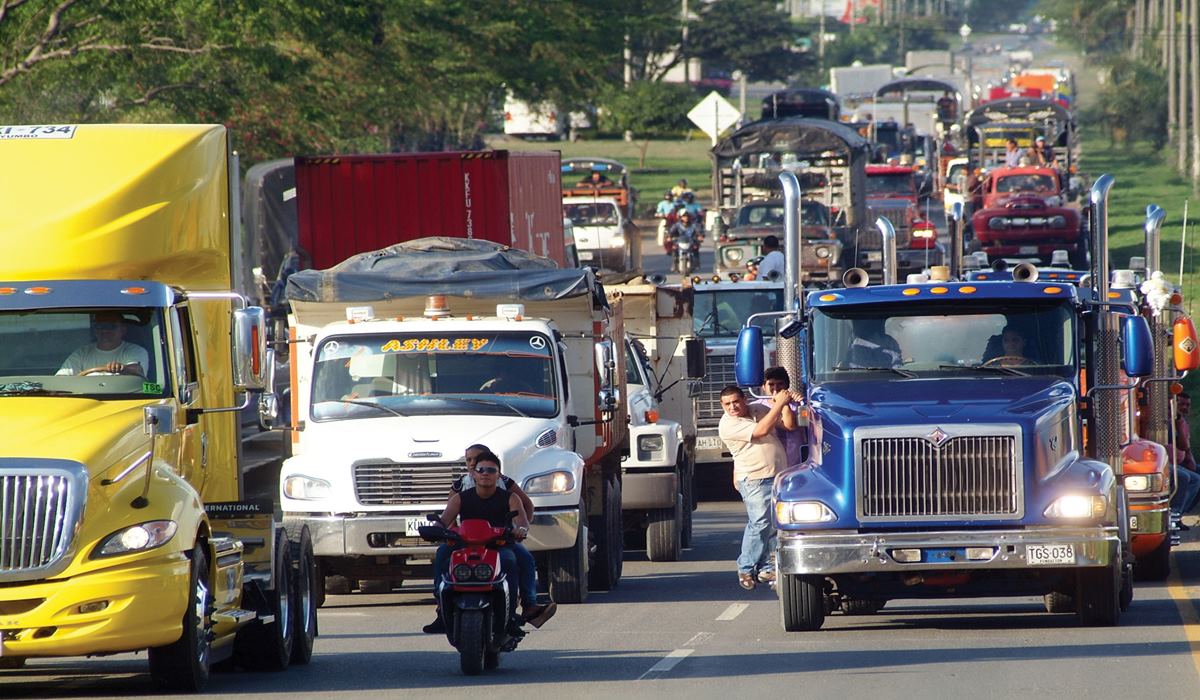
[616, 241]
[734, 255]
[306, 488]
[137, 538]
[821, 252]
[483, 572]
[803, 512]
[462, 572]
[554, 482]
[1075, 507]
[997, 223]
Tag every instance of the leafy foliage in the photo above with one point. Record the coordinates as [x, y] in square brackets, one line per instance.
[753, 36]
[1133, 103]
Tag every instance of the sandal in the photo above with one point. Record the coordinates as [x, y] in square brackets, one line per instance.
[746, 580]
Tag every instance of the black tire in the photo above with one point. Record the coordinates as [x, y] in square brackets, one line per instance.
[184, 666]
[663, 534]
[801, 602]
[267, 646]
[471, 641]
[307, 580]
[491, 660]
[1098, 596]
[568, 568]
[336, 585]
[11, 663]
[1058, 602]
[377, 586]
[688, 489]
[608, 539]
[862, 607]
[1155, 566]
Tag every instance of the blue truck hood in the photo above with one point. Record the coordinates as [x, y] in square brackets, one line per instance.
[1041, 407]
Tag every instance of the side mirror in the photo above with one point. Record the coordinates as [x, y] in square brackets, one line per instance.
[1138, 346]
[956, 212]
[249, 349]
[748, 357]
[697, 358]
[605, 363]
[1186, 347]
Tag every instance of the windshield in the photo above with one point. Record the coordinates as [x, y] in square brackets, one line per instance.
[1041, 184]
[891, 184]
[97, 353]
[591, 214]
[722, 313]
[811, 214]
[958, 175]
[1011, 338]
[369, 376]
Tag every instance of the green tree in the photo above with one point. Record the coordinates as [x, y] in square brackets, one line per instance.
[1133, 103]
[753, 36]
[646, 109]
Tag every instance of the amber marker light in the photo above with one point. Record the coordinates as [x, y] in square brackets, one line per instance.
[134, 290]
[967, 290]
[911, 292]
[1052, 290]
[8, 290]
[828, 297]
[938, 290]
[37, 291]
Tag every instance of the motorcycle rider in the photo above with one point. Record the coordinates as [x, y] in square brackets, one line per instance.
[664, 212]
[685, 229]
[533, 613]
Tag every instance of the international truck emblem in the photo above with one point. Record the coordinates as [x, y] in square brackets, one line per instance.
[937, 437]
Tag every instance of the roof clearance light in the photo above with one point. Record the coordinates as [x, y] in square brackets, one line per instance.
[37, 291]
[436, 306]
[967, 290]
[828, 297]
[938, 290]
[355, 314]
[134, 290]
[1114, 295]
[911, 292]
[8, 290]
[1052, 290]
[510, 312]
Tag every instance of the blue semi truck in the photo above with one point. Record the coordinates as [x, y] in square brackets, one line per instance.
[964, 441]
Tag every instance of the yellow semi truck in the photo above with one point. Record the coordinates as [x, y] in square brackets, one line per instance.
[125, 357]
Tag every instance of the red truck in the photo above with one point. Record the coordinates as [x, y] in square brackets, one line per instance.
[1022, 214]
[892, 194]
[354, 204]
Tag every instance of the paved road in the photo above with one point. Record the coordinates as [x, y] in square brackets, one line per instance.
[686, 628]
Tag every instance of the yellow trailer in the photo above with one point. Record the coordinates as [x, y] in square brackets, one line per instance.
[125, 357]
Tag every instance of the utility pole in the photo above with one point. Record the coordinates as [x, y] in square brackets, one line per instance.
[1194, 41]
[1182, 50]
[683, 47]
[1172, 92]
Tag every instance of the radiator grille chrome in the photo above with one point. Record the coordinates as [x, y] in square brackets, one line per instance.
[719, 374]
[871, 239]
[392, 484]
[966, 476]
[38, 514]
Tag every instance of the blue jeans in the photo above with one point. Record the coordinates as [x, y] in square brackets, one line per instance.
[759, 539]
[514, 559]
[1187, 490]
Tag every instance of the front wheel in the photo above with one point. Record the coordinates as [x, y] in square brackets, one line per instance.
[306, 578]
[184, 666]
[1098, 596]
[567, 569]
[267, 646]
[801, 602]
[663, 534]
[607, 539]
[471, 641]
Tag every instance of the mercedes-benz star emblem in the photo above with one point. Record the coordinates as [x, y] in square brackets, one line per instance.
[537, 342]
[937, 437]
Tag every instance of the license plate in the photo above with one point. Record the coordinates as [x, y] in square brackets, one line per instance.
[1041, 555]
[411, 526]
[1029, 250]
[709, 443]
[873, 255]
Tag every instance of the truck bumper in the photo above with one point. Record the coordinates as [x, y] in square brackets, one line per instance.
[145, 604]
[854, 553]
[1149, 525]
[384, 535]
[641, 490]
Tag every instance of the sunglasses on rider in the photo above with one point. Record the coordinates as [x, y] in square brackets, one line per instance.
[487, 470]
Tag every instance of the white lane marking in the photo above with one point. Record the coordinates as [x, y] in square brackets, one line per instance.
[733, 611]
[342, 613]
[668, 662]
[700, 638]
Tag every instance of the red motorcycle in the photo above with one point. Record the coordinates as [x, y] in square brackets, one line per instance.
[478, 602]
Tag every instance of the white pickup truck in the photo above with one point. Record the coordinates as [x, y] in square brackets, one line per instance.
[604, 234]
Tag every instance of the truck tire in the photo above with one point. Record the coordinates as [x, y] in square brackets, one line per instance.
[664, 531]
[861, 607]
[1155, 566]
[1058, 602]
[184, 665]
[471, 641]
[688, 490]
[568, 568]
[307, 579]
[267, 646]
[801, 602]
[11, 663]
[379, 586]
[1098, 595]
[608, 539]
[336, 584]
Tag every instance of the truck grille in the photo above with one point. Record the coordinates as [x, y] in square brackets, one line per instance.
[37, 520]
[871, 239]
[391, 484]
[719, 375]
[968, 476]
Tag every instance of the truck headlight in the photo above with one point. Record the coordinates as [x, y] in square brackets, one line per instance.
[1057, 221]
[1076, 507]
[554, 482]
[649, 445]
[997, 223]
[733, 255]
[803, 512]
[616, 241]
[1143, 482]
[306, 488]
[821, 252]
[137, 538]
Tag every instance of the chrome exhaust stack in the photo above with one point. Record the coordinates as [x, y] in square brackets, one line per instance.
[1153, 227]
[956, 241]
[791, 243]
[888, 232]
[1158, 399]
[1106, 348]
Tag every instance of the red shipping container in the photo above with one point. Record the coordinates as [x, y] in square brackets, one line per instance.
[348, 205]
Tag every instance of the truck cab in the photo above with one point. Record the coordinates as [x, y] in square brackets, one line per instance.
[741, 242]
[1023, 215]
[892, 194]
[605, 235]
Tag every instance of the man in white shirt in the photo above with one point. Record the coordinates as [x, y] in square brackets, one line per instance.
[748, 432]
[772, 261]
[110, 354]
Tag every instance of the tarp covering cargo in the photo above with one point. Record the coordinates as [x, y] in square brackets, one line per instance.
[798, 135]
[450, 266]
[269, 214]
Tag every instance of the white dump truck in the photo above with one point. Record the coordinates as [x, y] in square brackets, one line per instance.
[404, 357]
[662, 363]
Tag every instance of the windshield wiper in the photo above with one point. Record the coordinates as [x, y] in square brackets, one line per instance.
[999, 369]
[29, 389]
[487, 402]
[373, 404]
[902, 372]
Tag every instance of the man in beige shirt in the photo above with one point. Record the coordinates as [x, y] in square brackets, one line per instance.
[748, 431]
